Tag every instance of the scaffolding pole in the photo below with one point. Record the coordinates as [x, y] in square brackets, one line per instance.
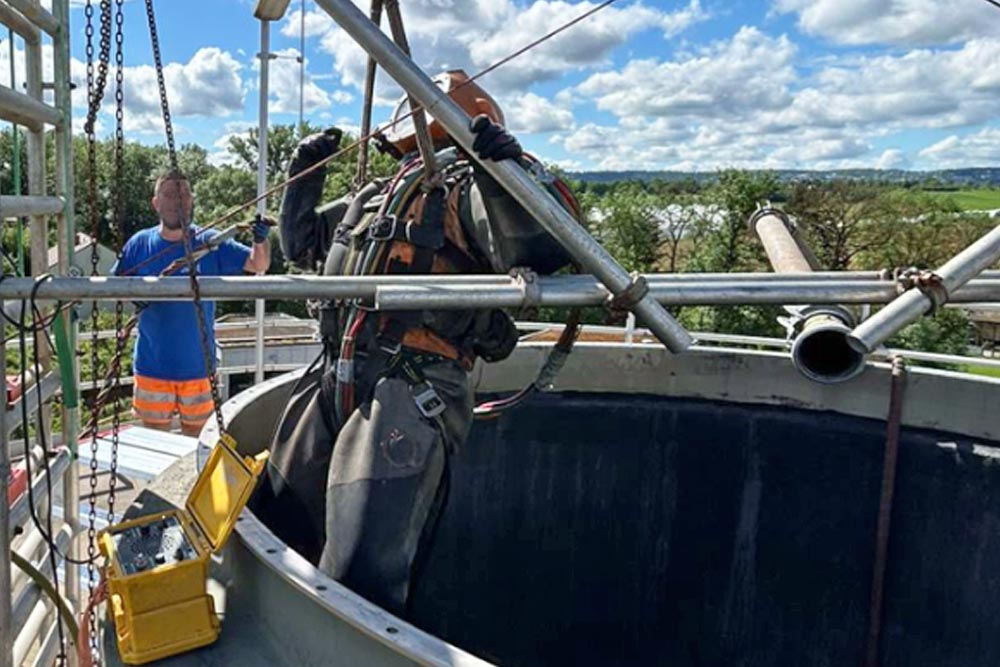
[67, 244]
[471, 292]
[259, 304]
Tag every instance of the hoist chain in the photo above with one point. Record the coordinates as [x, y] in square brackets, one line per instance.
[118, 233]
[93, 104]
[206, 347]
[95, 90]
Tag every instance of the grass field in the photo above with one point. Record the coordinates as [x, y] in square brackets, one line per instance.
[973, 200]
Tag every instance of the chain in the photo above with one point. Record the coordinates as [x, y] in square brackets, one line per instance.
[119, 234]
[95, 90]
[92, 103]
[206, 347]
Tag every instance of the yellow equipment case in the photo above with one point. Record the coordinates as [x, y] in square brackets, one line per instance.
[157, 565]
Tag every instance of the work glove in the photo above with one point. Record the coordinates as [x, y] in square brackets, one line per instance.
[315, 148]
[493, 141]
[262, 228]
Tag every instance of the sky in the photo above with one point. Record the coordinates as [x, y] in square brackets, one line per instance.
[679, 85]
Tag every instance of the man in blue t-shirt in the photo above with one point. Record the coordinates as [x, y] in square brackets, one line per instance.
[171, 373]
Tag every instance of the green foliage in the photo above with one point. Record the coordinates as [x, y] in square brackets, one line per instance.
[729, 246]
[947, 331]
[222, 189]
[841, 219]
[629, 229]
[980, 199]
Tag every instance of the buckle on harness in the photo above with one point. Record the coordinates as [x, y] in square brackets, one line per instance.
[383, 229]
[428, 401]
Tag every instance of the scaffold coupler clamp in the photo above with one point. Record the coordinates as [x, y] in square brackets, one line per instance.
[928, 282]
[527, 281]
[626, 300]
[795, 321]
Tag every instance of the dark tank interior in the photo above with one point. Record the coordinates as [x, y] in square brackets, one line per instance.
[590, 529]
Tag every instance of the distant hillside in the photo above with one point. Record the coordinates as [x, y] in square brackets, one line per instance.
[986, 176]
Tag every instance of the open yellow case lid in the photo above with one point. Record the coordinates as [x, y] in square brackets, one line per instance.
[222, 490]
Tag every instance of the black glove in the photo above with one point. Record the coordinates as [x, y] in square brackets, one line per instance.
[314, 148]
[262, 228]
[493, 141]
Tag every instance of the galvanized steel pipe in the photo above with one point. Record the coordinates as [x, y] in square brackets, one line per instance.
[581, 245]
[915, 302]
[6, 591]
[17, 22]
[782, 249]
[34, 12]
[457, 292]
[820, 349]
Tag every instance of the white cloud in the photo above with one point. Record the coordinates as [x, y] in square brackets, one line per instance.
[284, 79]
[820, 150]
[317, 23]
[922, 88]
[678, 22]
[897, 22]
[981, 149]
[529, 113]
[471, 34]
[208, 85]
[750, 71]
[892, 158]
[342, 97]
[585, 44]
[747, 102]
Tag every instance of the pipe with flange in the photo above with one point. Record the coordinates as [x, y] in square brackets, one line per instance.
[820, 349]
[630, 291]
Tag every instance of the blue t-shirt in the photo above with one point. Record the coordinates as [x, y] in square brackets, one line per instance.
[169, 344]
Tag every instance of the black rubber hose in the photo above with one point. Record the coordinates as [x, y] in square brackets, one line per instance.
[338, 249]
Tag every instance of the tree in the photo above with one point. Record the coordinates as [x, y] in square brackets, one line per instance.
[840, 219]
[629, 229]
[224, 188]
[678, 219]
[281, 143]
[726, 245]
[916, 230]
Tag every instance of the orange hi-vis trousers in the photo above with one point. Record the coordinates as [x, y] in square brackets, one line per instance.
[155, 401]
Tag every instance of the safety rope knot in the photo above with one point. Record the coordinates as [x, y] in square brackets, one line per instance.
[627, 299]
[928, 282]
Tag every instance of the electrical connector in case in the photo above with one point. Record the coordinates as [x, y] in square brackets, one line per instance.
[157, 566]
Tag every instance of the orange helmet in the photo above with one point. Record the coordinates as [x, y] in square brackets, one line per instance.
[468, 95]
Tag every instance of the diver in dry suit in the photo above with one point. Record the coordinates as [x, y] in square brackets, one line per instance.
[358, 473]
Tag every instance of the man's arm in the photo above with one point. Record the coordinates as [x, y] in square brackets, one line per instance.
[259, 260]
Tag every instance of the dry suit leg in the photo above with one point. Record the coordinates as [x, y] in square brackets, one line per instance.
[387, 468]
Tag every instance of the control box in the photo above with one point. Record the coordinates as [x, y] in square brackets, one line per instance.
[157, 565]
